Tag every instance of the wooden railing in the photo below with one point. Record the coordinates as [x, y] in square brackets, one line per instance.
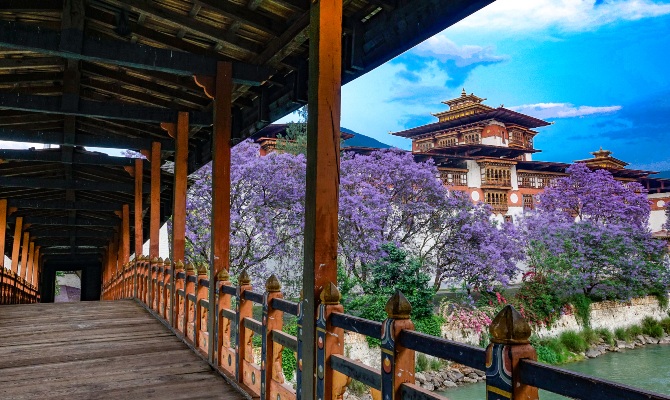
[16, 290]
[509, 362]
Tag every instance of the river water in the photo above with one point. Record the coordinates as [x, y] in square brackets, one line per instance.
[645, 367]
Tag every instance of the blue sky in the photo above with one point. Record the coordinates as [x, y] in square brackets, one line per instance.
[600, 70]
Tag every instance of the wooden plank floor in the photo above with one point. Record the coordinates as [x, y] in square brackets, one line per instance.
[98, 350]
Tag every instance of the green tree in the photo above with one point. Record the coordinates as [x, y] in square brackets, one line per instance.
[295, 139]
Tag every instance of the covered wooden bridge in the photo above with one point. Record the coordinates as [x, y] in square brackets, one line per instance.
[183, 81]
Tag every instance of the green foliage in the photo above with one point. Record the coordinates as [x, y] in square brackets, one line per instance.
[547, 355]
[435, 364]
[573, 341]
[431, 325]
[590, 336]
[652, 328]
[665, 324]
[606, 335]
[295, 139]
[421, 362]
[357, 388]
[662, 297]
[288, 359]
[256, 340]
[622, 334]
[396, 271]
[538, 301]
[633, 331]
[582, 305]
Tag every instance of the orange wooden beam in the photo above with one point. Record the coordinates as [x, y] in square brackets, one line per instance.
[179, 190]
[18, 228]
[139, 229]
[24, 254]
[125, 233]
[221, 144]
[323, 160]
[36, 267]
[3, 228]
[155, 196]
[29, 264]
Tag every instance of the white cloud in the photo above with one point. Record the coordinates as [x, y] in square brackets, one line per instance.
[562, 110]
[5, 144]
[444, 49]
[564, 15]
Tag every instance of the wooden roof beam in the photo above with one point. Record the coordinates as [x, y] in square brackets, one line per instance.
[112, 221]
[69, 233]
[33, 38]
[59, 184]
[96, 109]
[55, 157]
[21, 6]
[64, 205]
[56, 137]
[30, 63]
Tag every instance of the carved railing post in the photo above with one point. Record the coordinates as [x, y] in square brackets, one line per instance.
[136, 262]
[226, 353]
[397, 361]
[164, 306]
[178, 310]
[509, 344]
[145, 279]
[155, 289]
[272, 376]
[201, 336]
[245, 355]
[189, 306]
[330, 384]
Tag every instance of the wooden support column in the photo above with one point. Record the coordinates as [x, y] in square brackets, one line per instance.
[29, 264]
[155, 212]
[125, 234]
[3, 228]
[139, 230]
[24, 254]
[179, 192]
[18, 229]
[323, 159]
[36, 264]
[220, 225]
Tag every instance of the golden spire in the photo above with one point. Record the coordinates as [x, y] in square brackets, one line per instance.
[463, 93]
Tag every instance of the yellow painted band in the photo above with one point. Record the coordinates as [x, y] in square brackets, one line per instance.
[498, 391]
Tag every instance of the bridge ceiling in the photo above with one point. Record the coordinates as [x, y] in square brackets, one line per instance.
[107, 73]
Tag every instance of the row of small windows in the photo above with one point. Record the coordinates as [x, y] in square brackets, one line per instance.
[496, 176]
[454, 178]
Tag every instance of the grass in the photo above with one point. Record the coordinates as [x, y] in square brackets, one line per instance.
[573, 341]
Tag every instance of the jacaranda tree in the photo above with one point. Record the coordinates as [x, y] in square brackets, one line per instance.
[589, 234]
[386, 199]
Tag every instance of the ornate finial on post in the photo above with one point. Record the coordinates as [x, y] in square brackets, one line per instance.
[159, 260]
[398, 306]
[189, 267]
[223, 275]
[509, 327]
[167, 262]
[244, 279]
[509, 345]
[154, 260]
[179, 265]
[202, 269]
[272, 285]
[330, 294]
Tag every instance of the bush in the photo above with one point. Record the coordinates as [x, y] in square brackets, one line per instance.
[421, 362]
[622, 334]
[633, 331]
[547, 355]
[582, 305]
[573, 341]
[435, 364]
[606, 335]
[656, 331]
[590, 336]
[357, 388]
[537, 301]
[559, 349]
[665, 324]
[288, 360]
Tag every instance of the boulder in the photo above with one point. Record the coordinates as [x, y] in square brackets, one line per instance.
[455, 375]
[469, 380]
[449, 384]
[428, 386]
[592, 353]
[420, 377]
